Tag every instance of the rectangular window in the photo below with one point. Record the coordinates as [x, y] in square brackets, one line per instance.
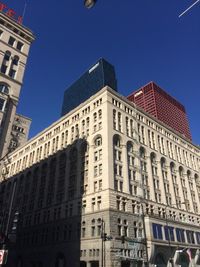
[83, 232]
[19, 46]
[93, 231]
[190, 237]
[198, 237]
[11, 41]
[95, 171]
[180, 235]
[169, 233]
[2, 104]
[3, 68]
[95, 186]
[100, 169]
[100, 184]
[12, 73]
[157, 231]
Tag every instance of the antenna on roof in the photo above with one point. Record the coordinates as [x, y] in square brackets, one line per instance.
[188, 8]
[24, 11]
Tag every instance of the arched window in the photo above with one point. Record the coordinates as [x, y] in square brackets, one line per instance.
[181, 171]
[142, 152]
[116, 140]
[15, 60]
[13, 69]
[172, 167]
[189, 174]
[98, 141]
[163, 163]
[196, 177]
[4, 88]
[7, 56]
[153, 157]
[129, 147]
[4, 65]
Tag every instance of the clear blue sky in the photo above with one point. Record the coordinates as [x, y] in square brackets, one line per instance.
[144, 39]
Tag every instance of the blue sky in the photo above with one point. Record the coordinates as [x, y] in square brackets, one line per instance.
[144, 39]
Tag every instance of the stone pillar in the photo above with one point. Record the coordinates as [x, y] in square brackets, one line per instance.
[162, 188]
[171, 185]
[150, 178]
[125, 169]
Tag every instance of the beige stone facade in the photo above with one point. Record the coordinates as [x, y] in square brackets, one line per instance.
[105, 185]
[20, 131]
[15, 41]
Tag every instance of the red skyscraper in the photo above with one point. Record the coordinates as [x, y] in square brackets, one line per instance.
[161, 105]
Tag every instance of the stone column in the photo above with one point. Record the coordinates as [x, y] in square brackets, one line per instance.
[162, 188]
[125, 169]
[150, 178]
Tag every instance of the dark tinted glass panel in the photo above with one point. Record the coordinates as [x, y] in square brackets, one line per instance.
[190, 237]
[19, 46]
[12, 73]
[100, 75]
[169, 233]
[3, 69]
[198, 238]
[11, 41]
[157, 231]
[2, 101]
[180, 235]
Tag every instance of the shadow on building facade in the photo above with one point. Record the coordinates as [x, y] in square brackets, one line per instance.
[48, 199]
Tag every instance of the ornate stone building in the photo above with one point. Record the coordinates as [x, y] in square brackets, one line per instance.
[15, 41]
[106, 185]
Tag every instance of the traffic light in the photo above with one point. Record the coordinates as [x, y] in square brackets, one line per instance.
[15, 222]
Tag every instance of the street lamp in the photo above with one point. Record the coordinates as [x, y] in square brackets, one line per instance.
[104, 237]
[146, 263]
[89, 3]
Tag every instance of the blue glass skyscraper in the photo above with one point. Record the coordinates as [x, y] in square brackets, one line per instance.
[99, 75]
